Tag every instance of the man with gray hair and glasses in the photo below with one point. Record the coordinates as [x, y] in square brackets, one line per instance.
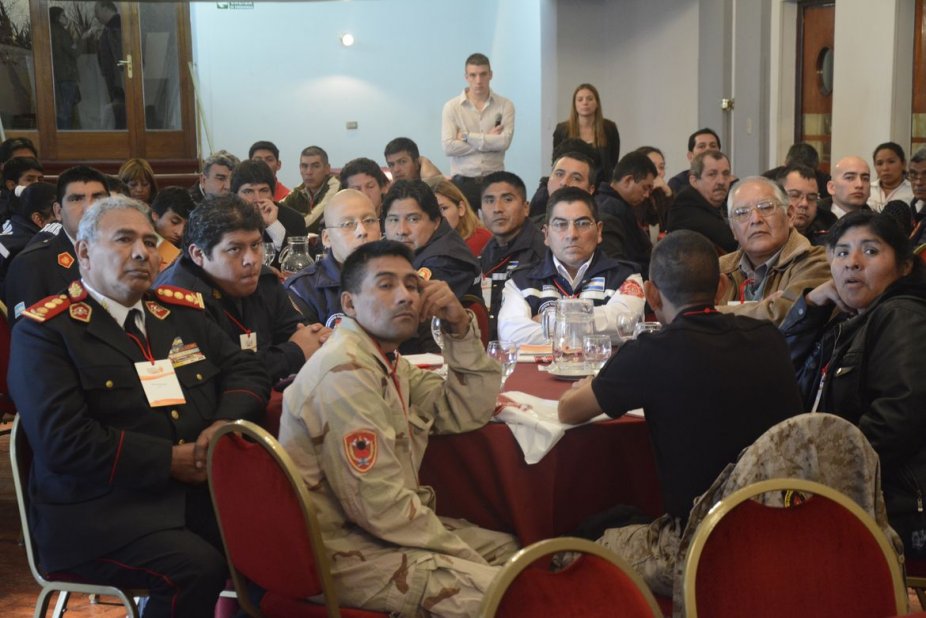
[916, 174]
[774, 263]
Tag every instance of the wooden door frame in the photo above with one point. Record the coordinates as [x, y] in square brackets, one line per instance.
[175, 150]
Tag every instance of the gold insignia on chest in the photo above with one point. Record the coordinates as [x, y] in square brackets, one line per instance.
[65, 259]
[81, 312]
[158, 311]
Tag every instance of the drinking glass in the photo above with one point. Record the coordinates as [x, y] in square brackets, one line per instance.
[597, 350]
[437, 333]
[646, 327]
[627, 325]
[270, 253]
[506, 353]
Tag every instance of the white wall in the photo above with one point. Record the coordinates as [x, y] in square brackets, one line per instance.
[642, 55]
[872, 76]
[278, 72]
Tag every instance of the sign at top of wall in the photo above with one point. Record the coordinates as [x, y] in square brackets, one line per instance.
[234, 5]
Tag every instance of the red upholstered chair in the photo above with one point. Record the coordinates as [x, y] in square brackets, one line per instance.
[269, 527]
[597, 583]
[6, 404]
[475, 304]
[823, 556]
[21, 459]
[916, 578]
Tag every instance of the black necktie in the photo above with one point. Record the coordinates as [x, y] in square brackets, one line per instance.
[131, 325]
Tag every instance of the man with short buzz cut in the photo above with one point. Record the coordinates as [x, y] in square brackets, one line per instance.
[916, 174]
[700, 141]
[366, 176]
[775, 263]
[48, 263]
[406, 163]
[849, 187]
[574, 266]
[709, 384]
[317, 188]
[350, 221]
[215, 178]
[269, 153]
[223, 261]
[699, 207]
[253, 182]
[119, 388]
[169, 212]
[624, 236]
[477, 126]
[356, 421]
[515, 241]
[800, 185]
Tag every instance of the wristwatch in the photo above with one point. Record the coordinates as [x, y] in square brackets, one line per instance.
[466, 137]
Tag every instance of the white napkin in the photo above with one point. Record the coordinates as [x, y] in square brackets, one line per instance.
[534, 423]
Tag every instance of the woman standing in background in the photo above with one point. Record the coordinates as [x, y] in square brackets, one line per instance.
[587, 123]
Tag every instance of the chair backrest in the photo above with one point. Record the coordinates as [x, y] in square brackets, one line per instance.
[596, 583]
[820, 556]
[475, 304]
[269, 528]
[21, 460]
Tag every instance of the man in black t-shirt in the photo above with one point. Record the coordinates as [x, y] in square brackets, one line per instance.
[709, 384]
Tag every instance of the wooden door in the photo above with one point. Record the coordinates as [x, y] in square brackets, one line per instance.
[112, 83]
[816, 24]
[918, 137]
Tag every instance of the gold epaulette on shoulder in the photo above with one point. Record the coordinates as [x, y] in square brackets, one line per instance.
[47, 308]
[178, 296]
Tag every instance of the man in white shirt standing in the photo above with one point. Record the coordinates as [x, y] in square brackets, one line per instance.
[477, 126]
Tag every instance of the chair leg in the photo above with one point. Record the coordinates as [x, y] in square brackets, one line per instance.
[62, 605]
[41, 603]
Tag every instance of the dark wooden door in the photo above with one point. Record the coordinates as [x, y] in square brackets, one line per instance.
[918, 137]
[113, 84]
[816, 23]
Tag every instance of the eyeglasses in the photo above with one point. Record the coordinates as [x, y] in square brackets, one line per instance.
[351, 224]
[796, 196]
[582, 225]
[765, 209]
[916, 175]
[409, 219]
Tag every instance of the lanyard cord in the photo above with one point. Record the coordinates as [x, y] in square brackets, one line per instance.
[244, 329]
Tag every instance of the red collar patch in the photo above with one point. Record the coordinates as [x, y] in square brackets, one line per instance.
[81, 312]
[76, 291]
[158, 311]
[360, 448]
[65, 259]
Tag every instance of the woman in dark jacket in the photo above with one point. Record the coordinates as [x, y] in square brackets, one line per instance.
[587, 122]
[859, 346]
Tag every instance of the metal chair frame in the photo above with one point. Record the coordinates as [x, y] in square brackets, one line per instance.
[527, 556]
[725, 506]
[19, 452]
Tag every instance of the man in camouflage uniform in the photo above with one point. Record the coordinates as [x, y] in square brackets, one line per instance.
[359, 437]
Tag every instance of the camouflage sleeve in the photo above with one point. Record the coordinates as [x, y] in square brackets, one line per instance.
[369, 465]
[466, 400]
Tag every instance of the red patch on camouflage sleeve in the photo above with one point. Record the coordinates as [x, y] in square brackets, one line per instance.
[631, 288]
[361, 449]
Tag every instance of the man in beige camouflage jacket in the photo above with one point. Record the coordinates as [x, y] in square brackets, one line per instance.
[356, 421]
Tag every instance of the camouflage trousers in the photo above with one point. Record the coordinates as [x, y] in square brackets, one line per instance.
[409, 582]
[650, 549]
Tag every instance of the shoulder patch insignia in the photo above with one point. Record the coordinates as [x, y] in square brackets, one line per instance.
[361, 449]
[76, 291]
[81, 312]
[631, 288]
[334, 319]
[47, 308]
[424, 273]
[179, 296]
[65, 259]
[158, 311]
